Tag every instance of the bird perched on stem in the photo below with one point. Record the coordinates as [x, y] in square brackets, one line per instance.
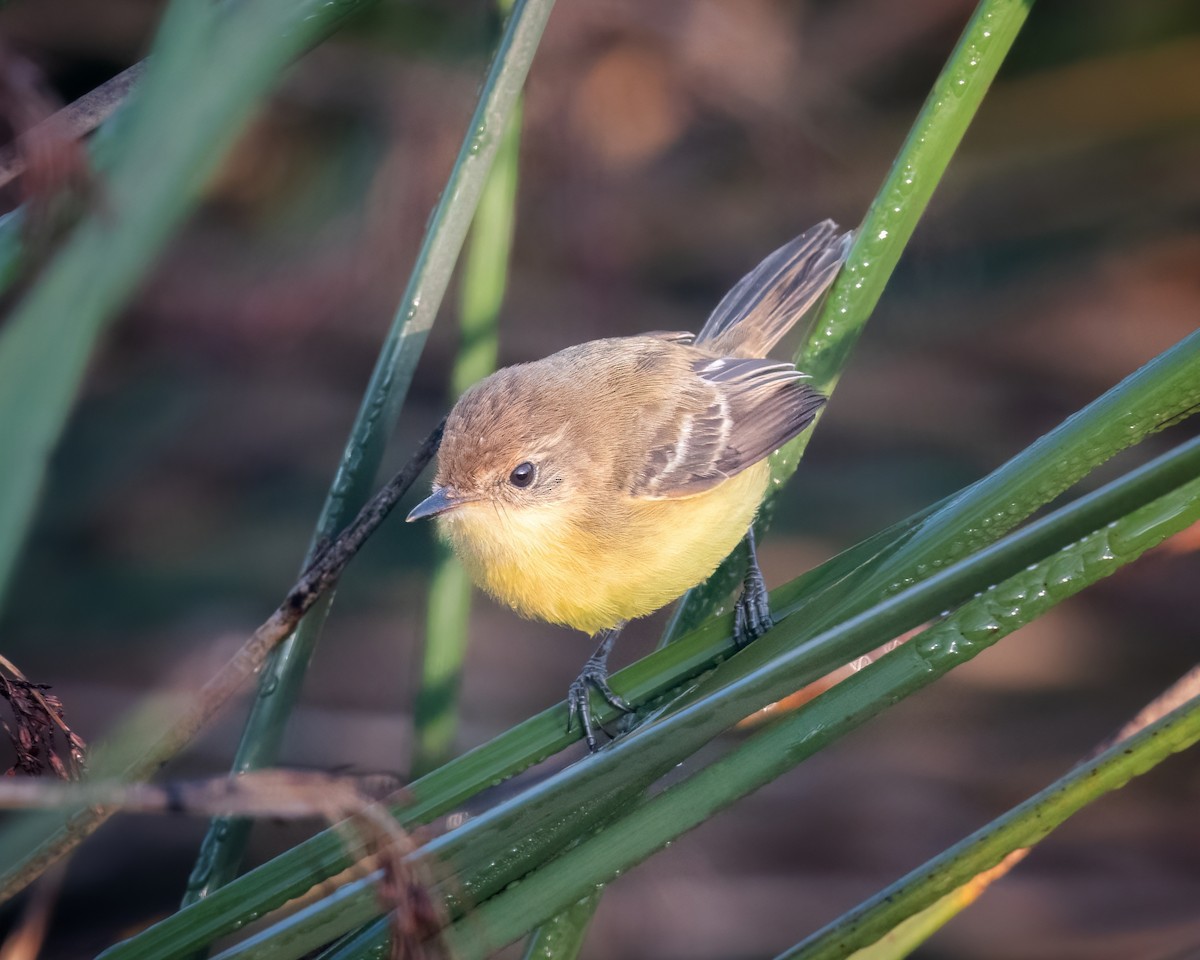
[601, 483]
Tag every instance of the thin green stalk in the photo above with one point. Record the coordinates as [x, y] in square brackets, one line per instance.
[435, 712]
[768, 754]
[916, 172]
[485, 276]
[509, 840]
[12, 249]
[907, 936]
[223, 846]
[880, 239]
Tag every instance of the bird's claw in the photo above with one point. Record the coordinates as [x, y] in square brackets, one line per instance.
[594, 676]
[752, 613]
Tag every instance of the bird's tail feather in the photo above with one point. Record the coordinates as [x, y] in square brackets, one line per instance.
[767, 302]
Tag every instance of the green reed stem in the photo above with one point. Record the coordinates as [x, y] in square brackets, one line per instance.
[782, 745]
[485, 276]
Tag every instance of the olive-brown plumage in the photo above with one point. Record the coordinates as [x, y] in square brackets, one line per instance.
[600, 483]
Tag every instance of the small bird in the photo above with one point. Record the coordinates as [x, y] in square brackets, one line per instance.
[601, 483]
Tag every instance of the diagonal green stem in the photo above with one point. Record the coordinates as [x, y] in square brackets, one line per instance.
[1021, 827]
[507, 841]
[784, 744]
[916, 172]
[561, 937]
[222, 849]
[908, 935]
[646, 826]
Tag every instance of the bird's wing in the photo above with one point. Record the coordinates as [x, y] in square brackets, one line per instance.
[733, 412]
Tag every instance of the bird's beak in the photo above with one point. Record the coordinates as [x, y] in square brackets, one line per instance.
[441, 500]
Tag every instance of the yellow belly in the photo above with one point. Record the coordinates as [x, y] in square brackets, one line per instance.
[595, 573]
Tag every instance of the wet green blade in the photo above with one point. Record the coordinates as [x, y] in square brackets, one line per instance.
[1021, 827]
[561, 937]
[955, 640]
[548, 816]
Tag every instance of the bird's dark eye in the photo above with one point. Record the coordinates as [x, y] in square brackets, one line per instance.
[523, 474]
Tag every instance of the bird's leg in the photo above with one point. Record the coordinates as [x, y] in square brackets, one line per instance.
[752, 615]
[594, 675]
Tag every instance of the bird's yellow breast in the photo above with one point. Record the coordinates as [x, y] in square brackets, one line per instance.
[603, 564]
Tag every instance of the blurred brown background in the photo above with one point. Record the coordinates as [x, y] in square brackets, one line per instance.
[668, 146]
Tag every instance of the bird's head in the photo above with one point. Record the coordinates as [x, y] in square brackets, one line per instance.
[509, 446]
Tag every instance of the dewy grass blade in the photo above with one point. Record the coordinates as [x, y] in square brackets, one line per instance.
[495, 922]
[1021, 827]
[561, 937]
[915, 174]
[352, 485]
[549, 815]
[904, 938]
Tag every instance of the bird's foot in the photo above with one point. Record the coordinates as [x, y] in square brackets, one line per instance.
[593, 676]
[752, 614]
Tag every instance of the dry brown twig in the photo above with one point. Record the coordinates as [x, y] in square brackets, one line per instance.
[354, 805]
[278, 794]
[37, 715]
[47, 145]
[322, 574]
